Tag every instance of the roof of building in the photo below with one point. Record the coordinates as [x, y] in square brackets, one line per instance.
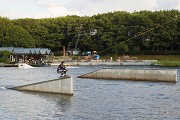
[10, 49]
[21, 50]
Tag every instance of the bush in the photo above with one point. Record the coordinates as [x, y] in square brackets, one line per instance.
[4, 56]
[58, 53]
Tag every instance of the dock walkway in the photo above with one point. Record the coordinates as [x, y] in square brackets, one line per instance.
[129, 62]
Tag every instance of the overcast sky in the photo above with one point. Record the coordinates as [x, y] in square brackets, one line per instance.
[14, 9]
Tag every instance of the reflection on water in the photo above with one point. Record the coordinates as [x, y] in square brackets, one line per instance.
[93, 99]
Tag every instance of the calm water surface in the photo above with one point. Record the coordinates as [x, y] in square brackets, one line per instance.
[92, 100]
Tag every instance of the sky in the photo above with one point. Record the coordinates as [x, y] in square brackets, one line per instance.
[15, 9]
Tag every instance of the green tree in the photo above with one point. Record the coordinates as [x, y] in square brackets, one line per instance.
[16, 36]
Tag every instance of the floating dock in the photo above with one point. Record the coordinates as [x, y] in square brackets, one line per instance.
[62, 85]
[157, 75]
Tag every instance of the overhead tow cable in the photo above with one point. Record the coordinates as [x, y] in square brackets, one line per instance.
[140, 34]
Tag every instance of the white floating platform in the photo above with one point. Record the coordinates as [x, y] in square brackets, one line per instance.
[134, 74]
[62, 85]
[24, 65]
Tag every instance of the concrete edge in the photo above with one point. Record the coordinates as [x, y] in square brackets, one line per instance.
[81, 76]
[18, 88]
[40, 82]
[71, 94]
[135, 79]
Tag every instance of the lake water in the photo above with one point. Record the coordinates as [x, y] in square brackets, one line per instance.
[92, 100]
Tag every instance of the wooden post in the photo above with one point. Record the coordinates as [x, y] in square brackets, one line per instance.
[64, 51]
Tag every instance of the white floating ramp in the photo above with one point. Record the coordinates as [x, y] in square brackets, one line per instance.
[24, 65]
[62, 85]
[157, 75]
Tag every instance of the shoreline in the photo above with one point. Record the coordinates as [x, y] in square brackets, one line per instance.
[8, 65]
[91, 63]
[111, 63]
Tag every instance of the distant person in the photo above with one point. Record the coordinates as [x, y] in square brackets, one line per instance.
[97, 57]
[62, 69]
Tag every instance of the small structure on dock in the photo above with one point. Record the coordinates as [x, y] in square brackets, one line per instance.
[63, 85]
[157, 75]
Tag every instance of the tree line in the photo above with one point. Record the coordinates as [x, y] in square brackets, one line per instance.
[120, 32]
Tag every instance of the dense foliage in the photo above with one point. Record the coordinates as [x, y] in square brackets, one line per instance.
[143, 32]
[4, 56]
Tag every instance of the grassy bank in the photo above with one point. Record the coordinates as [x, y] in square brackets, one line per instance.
[169, 63]
[163, 60]
[159, 57]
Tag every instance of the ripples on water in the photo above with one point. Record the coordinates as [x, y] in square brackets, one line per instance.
[93, 99]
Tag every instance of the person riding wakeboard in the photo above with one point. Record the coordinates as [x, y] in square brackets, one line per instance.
[62, 69]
